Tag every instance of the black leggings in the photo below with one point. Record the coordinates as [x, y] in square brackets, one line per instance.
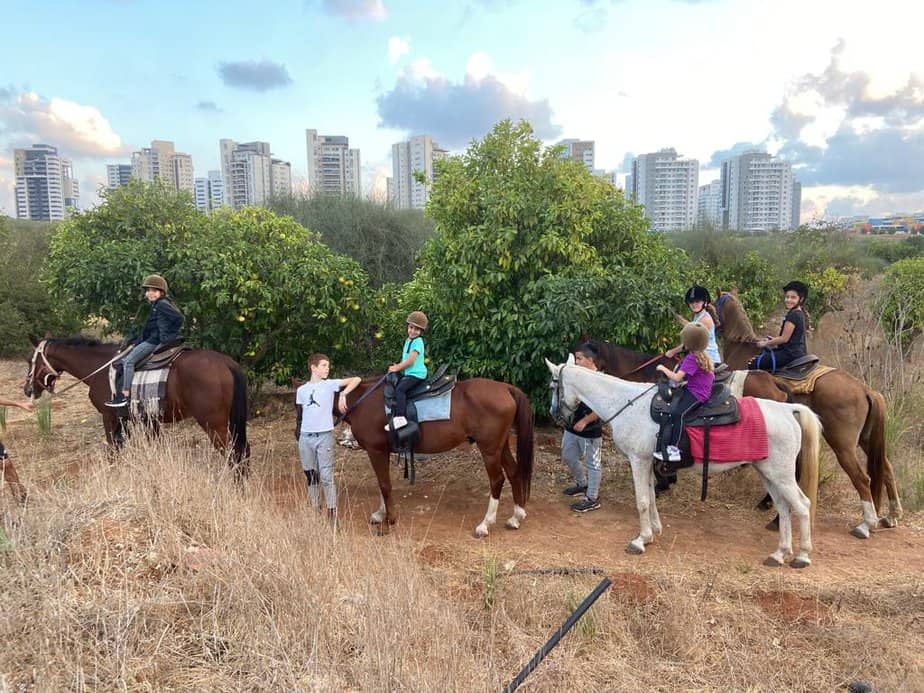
[681, 409]
[407, 382]
[771, 360]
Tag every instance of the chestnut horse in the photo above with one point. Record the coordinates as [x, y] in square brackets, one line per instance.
[482, 412]
[851, 414]
[205, 385]
[642, 368]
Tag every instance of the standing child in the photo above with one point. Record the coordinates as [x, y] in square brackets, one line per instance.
[697, 369]
[163, 326]
[412, 367]
[584, 440]
[790, 343]
[314, 429]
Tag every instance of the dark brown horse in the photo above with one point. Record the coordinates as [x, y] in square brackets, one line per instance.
[852, 414]
[642, 368]
[205, 385]
[483, 413]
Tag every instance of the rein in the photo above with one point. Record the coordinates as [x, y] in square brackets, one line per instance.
[40, 351]
[650, 361]
[343, 417]
[631, 402]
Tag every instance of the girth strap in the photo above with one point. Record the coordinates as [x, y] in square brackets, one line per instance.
[706, 428]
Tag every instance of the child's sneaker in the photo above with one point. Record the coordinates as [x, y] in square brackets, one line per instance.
[397, 422]
[119, 400]
[586, 505]
[673, 454]
[575, 490]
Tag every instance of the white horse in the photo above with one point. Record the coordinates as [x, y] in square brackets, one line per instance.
[625, 406]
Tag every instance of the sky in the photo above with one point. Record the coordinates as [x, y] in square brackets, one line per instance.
[837, 88]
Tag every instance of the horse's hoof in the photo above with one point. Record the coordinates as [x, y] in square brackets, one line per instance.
[772, 562]
[773, 525]
[799, 563]
[888, 522]
[860, 532]
[634, 549]
[481, 532]
[512, 524]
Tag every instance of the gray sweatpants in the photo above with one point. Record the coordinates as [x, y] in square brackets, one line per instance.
[573, 448]
[316, 451]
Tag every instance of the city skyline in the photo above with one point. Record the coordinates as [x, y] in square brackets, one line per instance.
[709, 78]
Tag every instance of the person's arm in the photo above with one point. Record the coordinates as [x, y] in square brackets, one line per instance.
[411, 357]
[788, 329]
[349, 384]
[585, 421]
[672, 353]
[26, 405]
[676, 376]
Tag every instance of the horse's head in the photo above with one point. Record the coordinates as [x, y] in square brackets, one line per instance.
[564, 399]
[42, 375]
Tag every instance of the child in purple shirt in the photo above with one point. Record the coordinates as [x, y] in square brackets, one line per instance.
[697, 369]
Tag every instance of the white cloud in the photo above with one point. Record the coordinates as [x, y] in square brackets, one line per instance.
[480, 66]
[397, 47]
[75, 128]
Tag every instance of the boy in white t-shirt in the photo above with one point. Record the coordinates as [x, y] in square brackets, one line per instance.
[314, 428]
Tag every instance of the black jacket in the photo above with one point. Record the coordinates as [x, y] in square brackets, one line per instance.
[164, 322]
[593, 429]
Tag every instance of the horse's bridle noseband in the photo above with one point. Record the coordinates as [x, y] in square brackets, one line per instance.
[52, 373]
[559, 389]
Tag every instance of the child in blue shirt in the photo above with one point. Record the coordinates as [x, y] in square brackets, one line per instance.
[412, 367]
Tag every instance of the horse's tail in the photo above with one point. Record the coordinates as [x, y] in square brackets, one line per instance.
[809, 453]
[237, 421]
[874, 432]
[524, 424]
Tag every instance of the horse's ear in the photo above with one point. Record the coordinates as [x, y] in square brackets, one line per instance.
[570, 360]
[48, 335]
[553, 369]
[34, 340]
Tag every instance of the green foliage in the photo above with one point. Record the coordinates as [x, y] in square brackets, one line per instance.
[902, 300]
[892, 250]
[254, 285]
[26, 307]
[531, 252]
[384, 241]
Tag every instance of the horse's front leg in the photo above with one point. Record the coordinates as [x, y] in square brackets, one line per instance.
[643, 481]
[115, 430]
[385, 515]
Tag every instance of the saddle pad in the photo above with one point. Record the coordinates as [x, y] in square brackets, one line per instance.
[434, 408]
[735, 383]
[807, 384]
[745, 440]
[149, 391]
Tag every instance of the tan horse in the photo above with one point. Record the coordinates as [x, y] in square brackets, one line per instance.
[851, 413]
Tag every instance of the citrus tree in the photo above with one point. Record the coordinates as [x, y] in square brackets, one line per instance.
[252, 284]
[902, 300]
[530, 253]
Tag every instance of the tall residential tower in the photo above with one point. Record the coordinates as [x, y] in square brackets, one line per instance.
[45, 184]
[333, 168]
[667, 187]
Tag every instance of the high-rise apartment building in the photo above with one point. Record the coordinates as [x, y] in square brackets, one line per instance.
[579, 150]
[333, 168]
[667, 187]
[118, 175]
[757, 192]
[45, 185]
[161, 161]
[709, 204]
[209, 192]
[251, 175]
[418, 154]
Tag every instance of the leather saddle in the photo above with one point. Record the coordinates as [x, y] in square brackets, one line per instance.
[163, 356]
[798, 369]
[722, 373]
[720, 409]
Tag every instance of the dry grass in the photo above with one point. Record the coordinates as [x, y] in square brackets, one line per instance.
[158, 573]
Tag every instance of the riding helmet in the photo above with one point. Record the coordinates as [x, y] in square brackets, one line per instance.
[418, 319]
[799, 287]
[154, 281]
[694, 336]
[697, 293]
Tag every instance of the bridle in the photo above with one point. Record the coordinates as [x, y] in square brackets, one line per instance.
[55, 374]
[559, 390]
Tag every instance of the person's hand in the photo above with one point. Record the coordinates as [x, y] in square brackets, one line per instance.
[661, 368]
[393, 368]
[671, 353]
[761, 343]
[342, 404]
[579, 426]
[27, 405]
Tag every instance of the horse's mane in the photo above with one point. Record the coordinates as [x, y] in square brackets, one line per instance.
[79, 340]
[736, 326]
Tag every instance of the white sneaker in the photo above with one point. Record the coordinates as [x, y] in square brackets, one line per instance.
[673, 453]
[397, 422]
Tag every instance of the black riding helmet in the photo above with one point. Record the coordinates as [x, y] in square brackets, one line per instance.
[697, 293]
[799, 287]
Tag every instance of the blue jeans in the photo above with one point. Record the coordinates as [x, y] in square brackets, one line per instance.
[131, 359]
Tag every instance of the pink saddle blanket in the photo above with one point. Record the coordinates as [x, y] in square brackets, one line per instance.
[745, 440]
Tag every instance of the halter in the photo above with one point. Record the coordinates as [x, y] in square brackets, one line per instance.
[40, 351]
